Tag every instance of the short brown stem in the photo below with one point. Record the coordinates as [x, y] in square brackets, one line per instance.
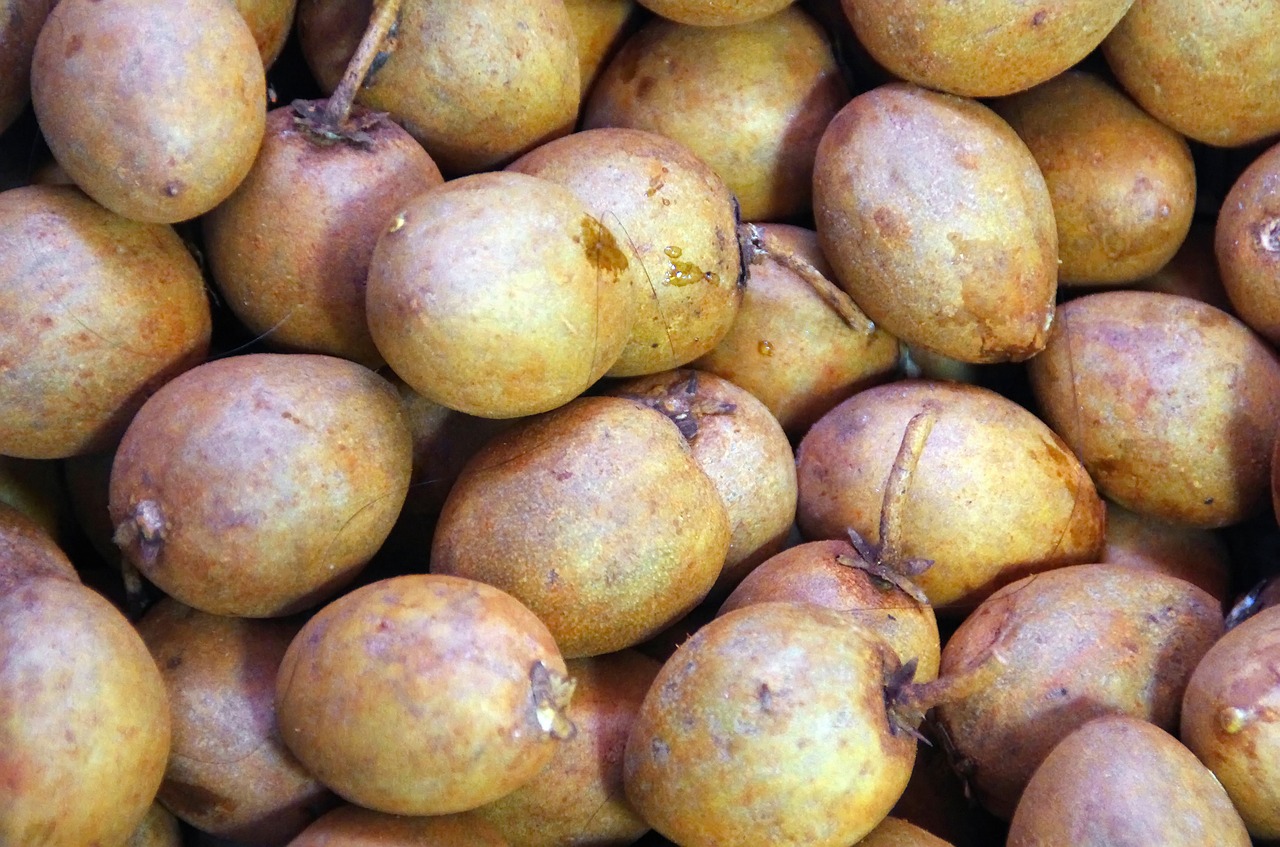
[899, 481]
[386, 13]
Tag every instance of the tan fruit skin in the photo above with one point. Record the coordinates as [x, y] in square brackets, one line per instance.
[595, 516]
[675, 223]
[99, 311]
[155, 109]
[1231, 719]
[27, 551]
[893, 832]
[270, 22]
[1077, 643]
[1118, 361]
[158, 829]
[956, 513]
[290, 248]
[352, 826]
[714, 12]
[751, 100]
[1247, 245]
[1123, 184]
[599, 26]
[938, 223]
[1154, 791]
[84, 720]
[1199, 556]
[434, 677]
[1209, 69]
[981, 49]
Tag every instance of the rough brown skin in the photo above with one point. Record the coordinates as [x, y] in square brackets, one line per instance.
[751, 100]
[893, 832]
[1199, 556]
[290, 249]
[1247, 244]
[155, 110]
[100, 312]
[769, 726]
[957, 511]
[229, 773]
[1078, 643]
[742, 448]
[270, 22]
[675, 223]
[1155, 792]
[84, 721]
[981, 49]
[596, 516]
[1117, 361]
[938, 222]
[499, 295]
[1193, 270]
[1207, 68]
[261, 484]
[599, 28]
[1123, 184]
[788, 346]
[827, 573]
[714, 12]
[352, 826]
[423, 668]
[158, 829]
[1231, 719]
[27, 551]
[20, 22]
[578, 798]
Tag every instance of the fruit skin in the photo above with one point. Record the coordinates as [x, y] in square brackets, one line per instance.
[84, 719]
[20, 22]
[1246, 244]
[156, 109]
[714, 12]
[27, 552]
[352, 826]
[447, 690]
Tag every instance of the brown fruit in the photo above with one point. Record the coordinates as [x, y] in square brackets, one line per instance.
[1075, 644]
[499, 295]
[893, 832]
[595, 516]
[158, 829]
[714, 12]
[84, 721]
[1193, 270]
[1230, 720]
[259, 485]
[751, 100]
[20, 22]
[676, 228]
[155, 109]
[1123, 184]
[1154, 791]
[451, 694]
[99, 311]
[28, 552]
[938, 222]
[599, 27]
[1200, 556]
[1118, 361]
[290, 249]
[270, 21]
[985, 48]
[352, 826]
[1247, 244]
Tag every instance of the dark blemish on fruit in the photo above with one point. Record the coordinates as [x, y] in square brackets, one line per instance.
[601, 247]
[661, 752]
[74, 45]
[1039, 17]
[173, 189]
[194, 801]
[562, 475]
[1269, 235]
[173, 663]
[1208, 501]
[765, 697]
[890, 225]
[644, 86]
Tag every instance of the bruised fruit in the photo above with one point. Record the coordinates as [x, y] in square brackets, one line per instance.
[499, 295]
[770, 726]
[1118, 781]
[99, 311]
[260, 485]
[1119, 361]
[451, 692]
[84, 721]
[939, 223]
[596, 516]
[1231, 719]
[155, 109]
[1077, 643]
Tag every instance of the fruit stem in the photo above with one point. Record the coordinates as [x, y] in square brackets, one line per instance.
[907, 701]
[759, 245]
[377, 40]
[899, 480]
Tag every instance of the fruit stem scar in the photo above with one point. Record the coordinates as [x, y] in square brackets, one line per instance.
[1269, 235]
[147, 528]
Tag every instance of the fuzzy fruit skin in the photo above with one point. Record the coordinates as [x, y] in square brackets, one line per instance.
[768, 726]
[290, 248]
[750, 100]
[1117, 361]
[20, 22]
[155, 109]
[1231, 719]
[99, 312]
[1119, 781]
[1246, 244]
[229, 773]
[261, 484]
[985, 48]
[938, 223]
[435, 680]
[1077, 643]
[352, 826]
[595, 516]
[84, 720]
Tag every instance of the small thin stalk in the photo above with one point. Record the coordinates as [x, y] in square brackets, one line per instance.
[899, 481]
[385, 15]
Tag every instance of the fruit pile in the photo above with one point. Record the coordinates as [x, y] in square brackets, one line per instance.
[604, 422]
